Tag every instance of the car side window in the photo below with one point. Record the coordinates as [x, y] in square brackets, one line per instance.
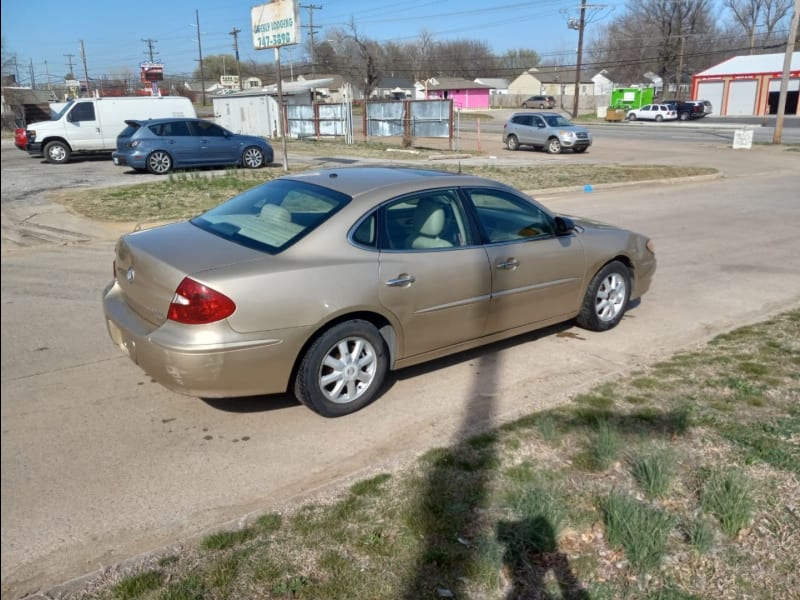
[538, 122]
[83, 111]
[504, 217]
[204, 128]
[424, 221]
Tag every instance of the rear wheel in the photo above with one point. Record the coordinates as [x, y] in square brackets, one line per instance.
[606, 298]
[343, 370]
[684, 116]
[659, 118]
[159, 163]
[512, 142]
[253, 157]
[553, 146]
[57, 152]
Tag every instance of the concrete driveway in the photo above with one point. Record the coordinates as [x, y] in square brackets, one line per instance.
[99, 464]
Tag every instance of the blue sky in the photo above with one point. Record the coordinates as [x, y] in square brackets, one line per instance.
[45, 33]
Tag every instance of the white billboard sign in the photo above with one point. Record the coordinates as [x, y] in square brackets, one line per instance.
[275, 24]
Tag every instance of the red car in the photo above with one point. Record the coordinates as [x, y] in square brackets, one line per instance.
[20, 138]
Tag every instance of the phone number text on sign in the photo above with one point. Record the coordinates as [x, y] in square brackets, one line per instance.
[276, 39]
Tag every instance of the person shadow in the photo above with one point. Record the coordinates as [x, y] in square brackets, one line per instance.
[531, 553]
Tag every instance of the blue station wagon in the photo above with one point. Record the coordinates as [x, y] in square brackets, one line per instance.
[161, 145]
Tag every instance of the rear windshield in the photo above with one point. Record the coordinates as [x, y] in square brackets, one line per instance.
[272, 216]
[128, 131]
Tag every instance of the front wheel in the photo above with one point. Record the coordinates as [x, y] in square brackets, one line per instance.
[553, 146]
[631, 117]
[606, 298]
[253, 158]
[57, 152]
[159, 163]
[343, 370]
[512, 142]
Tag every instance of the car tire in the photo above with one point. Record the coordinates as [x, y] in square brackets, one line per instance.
[159, 162]
[553, 146]
[253, 157]
[524, 105]
[512, 143]
[606, 298]
[57, 152]
[631, 117]
[684, 116]
[659, 118]
[343, 370]
[541, 106]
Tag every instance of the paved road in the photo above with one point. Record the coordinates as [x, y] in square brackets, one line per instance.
[99, 464]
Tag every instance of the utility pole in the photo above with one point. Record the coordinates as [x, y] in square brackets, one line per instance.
[150, 43]
[200, 53]
[680, 71]
[311, 31]
[787, 64]
[85, 70]
[69, 62]
[235, 33]
[581, 26]
[33, 78]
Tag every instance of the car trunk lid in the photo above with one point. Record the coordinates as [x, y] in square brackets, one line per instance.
[149, 265]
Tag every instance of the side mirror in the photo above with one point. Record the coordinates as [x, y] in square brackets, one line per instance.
[564, 225]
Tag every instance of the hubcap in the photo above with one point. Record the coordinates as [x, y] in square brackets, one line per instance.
[610, 297]
[348, 370]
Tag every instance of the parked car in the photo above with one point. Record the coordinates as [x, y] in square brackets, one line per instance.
[539, 102]
[690, 109]
[653, 112]
[545, 130]
[320, 282]
[161, 145]
[20, 138]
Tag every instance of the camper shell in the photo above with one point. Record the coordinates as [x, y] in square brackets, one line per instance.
[91, 125]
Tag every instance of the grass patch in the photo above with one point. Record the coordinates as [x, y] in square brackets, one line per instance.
[727, 496]
[639, 529]
[653, 470]
[185, 194]
[642, 510]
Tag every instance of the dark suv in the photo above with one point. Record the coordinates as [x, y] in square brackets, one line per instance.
[539, 102]
[690, 109]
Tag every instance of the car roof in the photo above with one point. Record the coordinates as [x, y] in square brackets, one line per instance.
[163, 120]
[364, 181]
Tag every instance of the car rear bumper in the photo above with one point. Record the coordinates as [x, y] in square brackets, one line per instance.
[237, 366]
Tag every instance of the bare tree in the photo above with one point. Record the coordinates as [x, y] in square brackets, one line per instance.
[671, 38]
[752, 15]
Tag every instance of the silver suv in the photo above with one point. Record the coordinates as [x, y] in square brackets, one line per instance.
[539, 102]
[545, 130]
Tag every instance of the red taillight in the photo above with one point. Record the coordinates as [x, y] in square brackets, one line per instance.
[196, 304]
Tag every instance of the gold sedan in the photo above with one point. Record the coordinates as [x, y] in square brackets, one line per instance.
[321, 282]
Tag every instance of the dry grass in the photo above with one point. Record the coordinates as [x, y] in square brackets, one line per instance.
[517, 513]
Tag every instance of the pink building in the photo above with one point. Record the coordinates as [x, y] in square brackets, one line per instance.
[465, 94]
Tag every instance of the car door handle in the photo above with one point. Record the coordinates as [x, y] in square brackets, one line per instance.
[402, 280]
[509, 264]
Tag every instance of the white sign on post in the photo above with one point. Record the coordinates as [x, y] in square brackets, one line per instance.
[743, 138]
[275, 24]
